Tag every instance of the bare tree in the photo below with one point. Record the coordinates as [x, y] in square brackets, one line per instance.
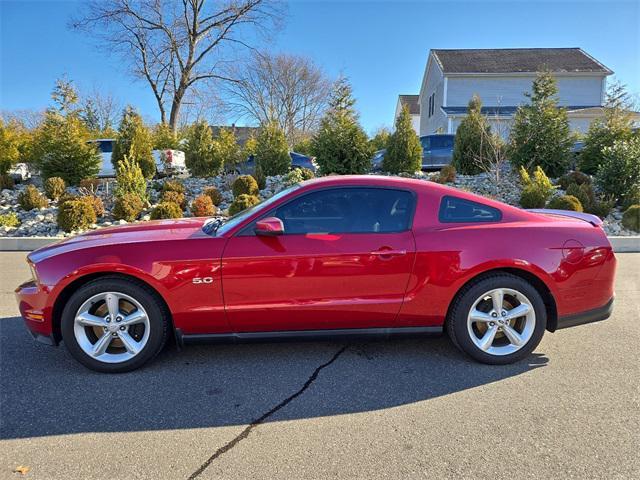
[104, 109]
[29, 119]
[174, 45]
[288, 89]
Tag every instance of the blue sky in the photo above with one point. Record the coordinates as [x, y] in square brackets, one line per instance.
[381, 46]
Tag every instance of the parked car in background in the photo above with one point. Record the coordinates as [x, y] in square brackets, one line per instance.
[298, 160]
[105, 147]
[437, 151]
[168, 162]
[20, 172]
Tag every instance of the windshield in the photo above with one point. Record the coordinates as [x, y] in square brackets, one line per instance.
[240, 217]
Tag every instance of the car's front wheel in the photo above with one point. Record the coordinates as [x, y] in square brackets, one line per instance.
[114, 325]
[498, 319]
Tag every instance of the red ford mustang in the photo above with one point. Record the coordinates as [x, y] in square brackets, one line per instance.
[338, 256]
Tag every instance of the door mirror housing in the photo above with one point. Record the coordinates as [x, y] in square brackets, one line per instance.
[270, 227]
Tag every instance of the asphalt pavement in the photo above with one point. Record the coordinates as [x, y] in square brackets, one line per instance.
[414, 408]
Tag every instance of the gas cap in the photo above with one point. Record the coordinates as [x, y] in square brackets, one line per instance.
[572, 251]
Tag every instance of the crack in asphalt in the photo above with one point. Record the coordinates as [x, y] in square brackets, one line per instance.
[245, 433]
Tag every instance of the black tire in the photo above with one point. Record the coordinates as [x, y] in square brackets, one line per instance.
[457, 320]
[156, 311]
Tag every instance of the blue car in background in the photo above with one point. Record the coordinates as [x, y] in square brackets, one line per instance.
[437, 151]
[298, 160]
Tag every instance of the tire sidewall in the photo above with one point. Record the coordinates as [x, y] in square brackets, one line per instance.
[157, 323]
[468, 299]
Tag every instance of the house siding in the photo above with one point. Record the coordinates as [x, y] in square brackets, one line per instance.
[434, 83]
[510, 90]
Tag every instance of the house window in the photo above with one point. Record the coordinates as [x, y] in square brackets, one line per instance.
[429, 110]
[433, 103]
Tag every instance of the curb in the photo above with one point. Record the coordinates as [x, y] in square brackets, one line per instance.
[26, 244]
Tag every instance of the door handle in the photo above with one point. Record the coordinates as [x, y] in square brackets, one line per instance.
[389, 253]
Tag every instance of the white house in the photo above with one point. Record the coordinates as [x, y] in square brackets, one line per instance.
[501, 77]
[413, 102]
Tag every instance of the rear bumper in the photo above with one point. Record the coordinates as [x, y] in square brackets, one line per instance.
[589, 316]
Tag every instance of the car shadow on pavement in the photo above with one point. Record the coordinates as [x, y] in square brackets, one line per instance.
[43, 391]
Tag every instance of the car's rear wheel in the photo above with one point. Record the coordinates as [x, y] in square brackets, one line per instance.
[114, 325]
[497, 319]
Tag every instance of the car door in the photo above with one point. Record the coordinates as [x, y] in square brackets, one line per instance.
[343, 261]
[426, 151]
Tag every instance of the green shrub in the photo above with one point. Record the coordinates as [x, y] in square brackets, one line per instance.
[260, 177]
[66, 197]
[9, 220]
[9, 146]
[90, 184]
[164, 137]
[214, 194]
[604, 132]
[245, 185]
[619, 174]
[173, 186]
[6, 182]
[272, 151]
[130, 179]
[31, 198]
[307, 173]
[565, 202]
[473, 141]
[584, 193]
[242, 202]
[540, 134]
[202, 206]
[601, 207]
[166, 210]
[293, 177]
[175, 197]
[134, 140]
[532, 198]
[95, 202]
[447, 174]
[54, 187]
[226, 151]
[631, 218]
[75, 215]
[200, 157]
[574, 178]
[536, 191]
[341, 146]
[127, 207]
[404, 153]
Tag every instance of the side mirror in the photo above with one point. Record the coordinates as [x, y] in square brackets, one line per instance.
[270, 226]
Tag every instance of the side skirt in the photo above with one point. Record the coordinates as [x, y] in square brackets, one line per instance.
[306, 335]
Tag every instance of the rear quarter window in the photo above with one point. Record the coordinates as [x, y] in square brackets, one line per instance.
[460, 210]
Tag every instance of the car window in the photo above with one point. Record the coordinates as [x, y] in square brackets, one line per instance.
[348, 210]
[426, 144]
[442, 141]
[454, 209]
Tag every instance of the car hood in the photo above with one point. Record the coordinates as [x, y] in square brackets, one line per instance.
[154, 231]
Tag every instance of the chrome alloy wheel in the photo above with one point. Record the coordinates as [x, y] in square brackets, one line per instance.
[111, 327]
[501, 321]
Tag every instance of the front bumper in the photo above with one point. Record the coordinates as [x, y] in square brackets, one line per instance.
[589, 316]
[32, 302]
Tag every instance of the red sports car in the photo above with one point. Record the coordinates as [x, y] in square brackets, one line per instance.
[340, 256]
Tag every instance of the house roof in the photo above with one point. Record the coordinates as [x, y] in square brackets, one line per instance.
[518, 60]
[412, 101]
[511, 110]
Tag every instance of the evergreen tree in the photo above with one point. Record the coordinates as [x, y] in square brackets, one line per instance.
[540, 133]
[200, 158]
[60, 147]
[134, 140]
[474, 141]
[616, 126]
[226, 150]
[341, 146]
[272, 151]
[164, 137]
[9, 146]
[380, 140]
[404, 153]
